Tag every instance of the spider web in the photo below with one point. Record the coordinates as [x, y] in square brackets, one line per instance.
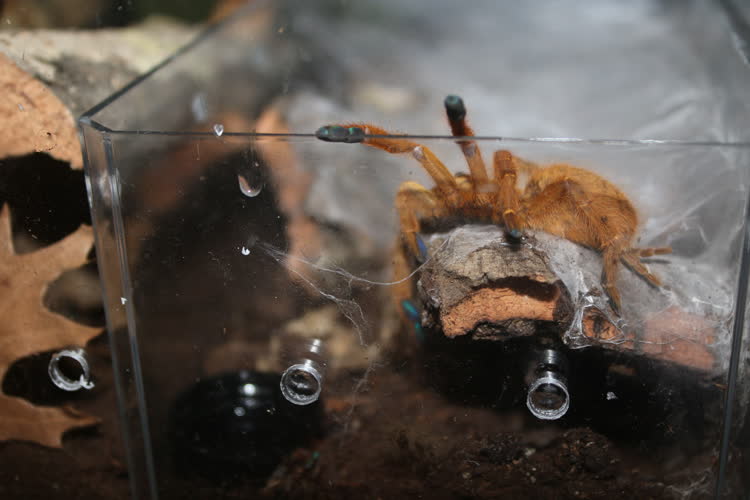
[339, 293]
[349, 308]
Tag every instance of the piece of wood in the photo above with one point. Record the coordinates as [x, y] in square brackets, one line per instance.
[82, 68]
[34, 119]
[477, 284]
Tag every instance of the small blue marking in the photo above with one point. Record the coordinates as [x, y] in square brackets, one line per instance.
[418, 331]
[414, 316]
[410, 309]
[423, 254]
[314, 458]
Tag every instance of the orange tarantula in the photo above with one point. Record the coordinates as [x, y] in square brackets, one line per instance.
[559, 199]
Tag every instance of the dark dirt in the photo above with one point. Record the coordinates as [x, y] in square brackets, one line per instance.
[403, 441]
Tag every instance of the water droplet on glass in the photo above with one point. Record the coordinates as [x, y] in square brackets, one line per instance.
[199, 107]
[249, 189]
[218, 129]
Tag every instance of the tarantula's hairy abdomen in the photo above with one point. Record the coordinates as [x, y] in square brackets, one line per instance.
[578, 205]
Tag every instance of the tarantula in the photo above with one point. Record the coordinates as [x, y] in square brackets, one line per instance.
[559, 199]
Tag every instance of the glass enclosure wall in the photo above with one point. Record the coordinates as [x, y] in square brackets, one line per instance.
[554, 307]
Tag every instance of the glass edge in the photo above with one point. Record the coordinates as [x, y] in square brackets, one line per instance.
[739, 26]
[196, 40]
[119, 365]
[730, 397]
[125, 358]
[551, 140]
[127, 293]
[87, 121]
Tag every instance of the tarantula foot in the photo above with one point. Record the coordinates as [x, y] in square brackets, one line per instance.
[513, 236]
[337, 133]
[454, 108]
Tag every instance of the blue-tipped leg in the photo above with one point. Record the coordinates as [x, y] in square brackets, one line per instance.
[515, 234]
[414, 316]
[410, 310]
[454, 108]
[337, 133]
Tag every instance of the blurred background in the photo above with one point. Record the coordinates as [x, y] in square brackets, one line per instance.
[33, 14]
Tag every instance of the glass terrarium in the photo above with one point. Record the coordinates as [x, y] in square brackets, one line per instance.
[414, 314]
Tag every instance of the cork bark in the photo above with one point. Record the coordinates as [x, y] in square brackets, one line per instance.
[478, 284]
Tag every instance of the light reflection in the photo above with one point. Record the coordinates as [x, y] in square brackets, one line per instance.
[249, 389]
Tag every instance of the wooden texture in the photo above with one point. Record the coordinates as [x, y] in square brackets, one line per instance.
[476, 284]
[34, 118]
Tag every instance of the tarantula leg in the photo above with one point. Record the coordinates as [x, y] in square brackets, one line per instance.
[395, 145]
[611, 256]
[423, 252]
[632, 259]
[456, 111]
[414, 201]
[650, 252]
[508, 199]
[336, 133]
[402, 289]
[410, 314]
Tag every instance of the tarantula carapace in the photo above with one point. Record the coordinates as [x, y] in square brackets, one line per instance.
[560, 199]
